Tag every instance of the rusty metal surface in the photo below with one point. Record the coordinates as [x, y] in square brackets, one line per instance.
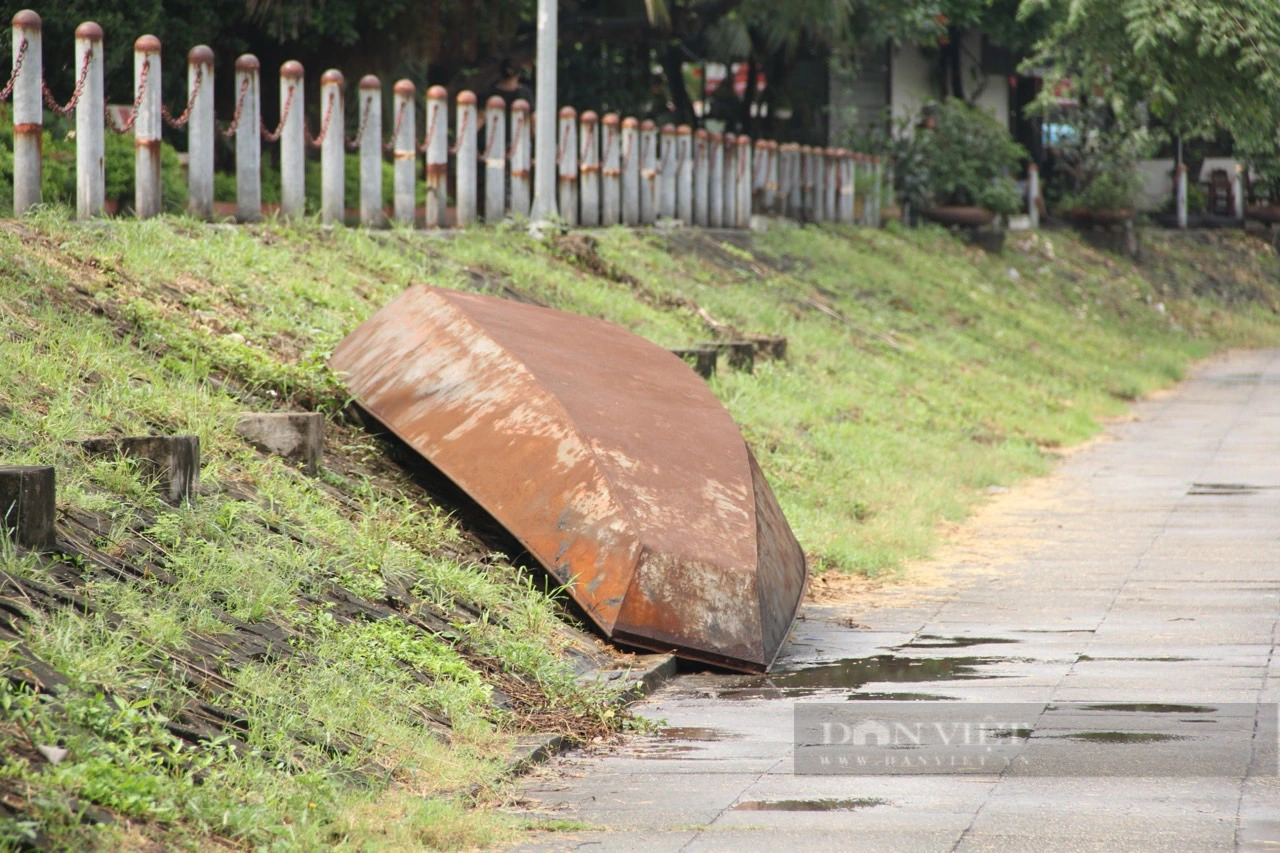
[605, 455]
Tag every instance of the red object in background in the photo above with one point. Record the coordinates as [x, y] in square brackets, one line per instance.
[716, 75]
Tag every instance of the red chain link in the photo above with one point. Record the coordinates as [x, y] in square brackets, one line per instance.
[608, 145]
[431, 128]
[52, 104]
[17, 69]
[742, 162]
[515, 136]
[235, 119]
[317, 141]
[462, 132]
[588, 138]
[137, 101]
[761, 162]
[492, 137]
[395, 131]
[626, 150]
[353, 144]
[564, 137]
[181, 120]
[274, 135]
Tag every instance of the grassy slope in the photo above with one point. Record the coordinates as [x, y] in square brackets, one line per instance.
[919, 373]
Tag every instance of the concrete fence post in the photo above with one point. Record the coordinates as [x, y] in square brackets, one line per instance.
[249, 141]
[820, 179]
[684, 174]
[797, 172]
[862, 180]
[370, 118]
[784, 179]
[729, 189]
[760, 169]
[146, 127]
[809, 159]
[648, 172]
[1180, 188]
[611, 170]
[1238, 190]
[293, 141]
[333, 202]
[404, 142]
[701, 178]
[742, 203]
[521, 154]
[200, 132]
[667, 173]
[28, 110]
[437, 145]
[91, 175]
[847, 189]
[495, 159]
[877, 198]
[467, 162]
[833, 185]
[1033, 195]
[567, 165]
[715, 208]
[630, 165]
[544, 196]
[589, 169]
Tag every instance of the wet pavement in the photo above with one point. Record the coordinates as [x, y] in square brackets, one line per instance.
[1125, 611]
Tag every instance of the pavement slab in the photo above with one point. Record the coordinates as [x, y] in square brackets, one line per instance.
[1130, 605]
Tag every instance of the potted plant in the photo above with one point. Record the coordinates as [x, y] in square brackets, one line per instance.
[964, 160]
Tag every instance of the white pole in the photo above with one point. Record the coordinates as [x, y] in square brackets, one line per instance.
[332, 149]
[630, 165]
[744, 177]
[28, 111]
[146, 128]
[369, 114]
[715, 209]
[465, 171]
[200, 133]
[567, 164]
[589, 170]
[521, 152]
[684, 174]
[701, 178]
[544, 196]
[293, 142]
[611, 160]
[729, 189]
[90, 145]
[1033, 195]
[495, 159]
[648, 172]
[405, 142]
[1181, 180]
[437, 156]
[248, 142]
[1238, 190]
[667, 174]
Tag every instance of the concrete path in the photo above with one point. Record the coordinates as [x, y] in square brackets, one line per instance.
[1143, 576]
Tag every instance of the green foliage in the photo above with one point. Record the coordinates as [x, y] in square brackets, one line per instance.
[967, 158]
[1097, 159]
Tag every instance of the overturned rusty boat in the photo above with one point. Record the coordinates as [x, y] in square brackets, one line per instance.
[604, 454]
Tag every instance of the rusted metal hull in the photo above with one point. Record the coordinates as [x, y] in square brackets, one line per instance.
[604, 454]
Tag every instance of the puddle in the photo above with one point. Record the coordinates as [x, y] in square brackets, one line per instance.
[1141, 660]
[899, 697]
[1152, 708]
[1010, 733]
[1227, 489]
[855, 672]
[933, 641]
[807, 805]
[694, 733]
[1123, 737]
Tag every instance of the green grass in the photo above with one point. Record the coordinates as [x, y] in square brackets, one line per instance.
[919, 373]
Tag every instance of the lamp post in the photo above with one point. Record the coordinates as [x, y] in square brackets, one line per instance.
[544, 186]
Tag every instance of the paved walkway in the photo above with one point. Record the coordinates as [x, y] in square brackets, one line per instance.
[1144, 576]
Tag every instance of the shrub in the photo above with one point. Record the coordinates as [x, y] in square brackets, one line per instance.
[966, 158]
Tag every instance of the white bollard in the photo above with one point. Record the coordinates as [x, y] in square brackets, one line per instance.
[28, 110]
[293, 141]
[404, 141]
[1238, 191]
[759, 174]
[1180, 181]
[495, 159]
[797, 172]
[701, 178]
[589, 170]
[521, 152]
[648, 172]
[771, 197]
[715, 187]
[1033, 195]
[611, 170]
[91, 176]
[544, 196]
[567, 165]
[684, 174]
[784, 179]
[332, 149]
[249, 141]
[877, 190]
[667, 174]
[742, 204]
[370, 118]
[729, 190]
[466, 168]
[833, 185]
[864, 179]
[848, 213]
[201, 132]
[146, 127]
[630, 165]
[437, 144]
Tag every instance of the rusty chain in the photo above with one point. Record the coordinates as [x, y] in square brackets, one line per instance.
[462, 133]
[182, 120]
[17, 69]
[492, 137]
[353, 144]
[608, 145]
[626, 150]
[239, 113]
[317, 141]
[563, 149]
[431, 128]
[137, 101]
[395, 131]
[274, 135]
[587, 139]
[761, 166]
[515, 136]
[742, 163]
[49, 100]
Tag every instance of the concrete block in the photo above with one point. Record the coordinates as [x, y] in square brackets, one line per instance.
[27, 507]
[173, 461]
[701, 359]
[742, 354]
[294, 435]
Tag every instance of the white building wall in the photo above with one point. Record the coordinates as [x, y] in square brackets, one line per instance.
[914, 81]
